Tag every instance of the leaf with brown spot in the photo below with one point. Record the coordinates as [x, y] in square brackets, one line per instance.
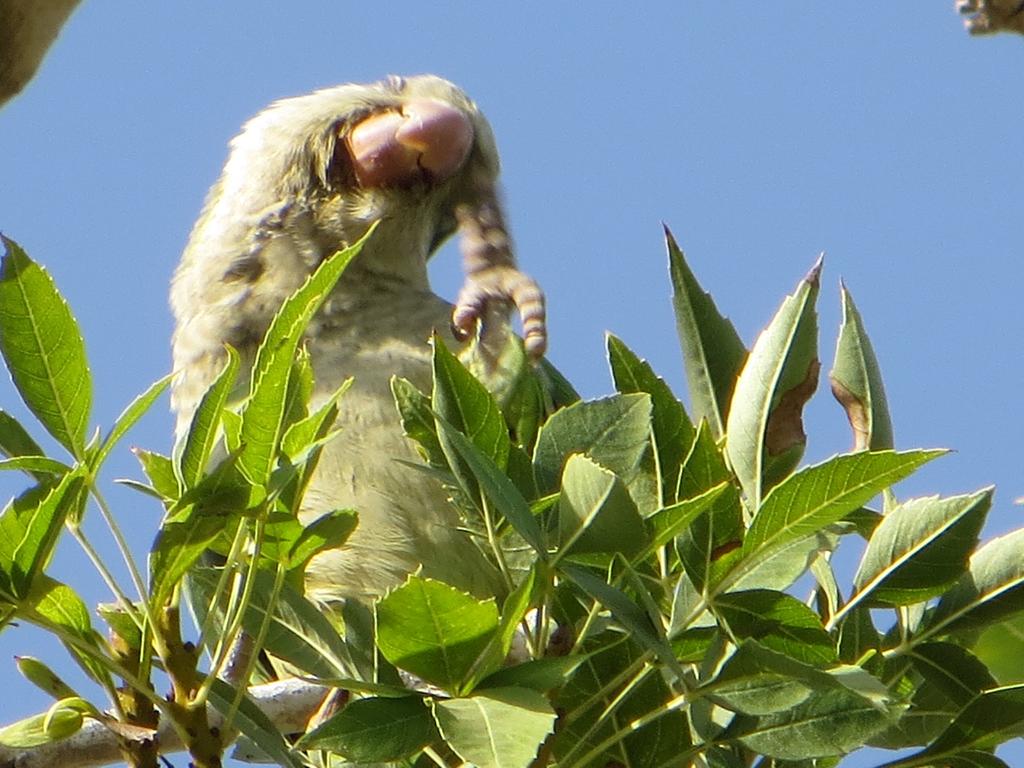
[857, 382]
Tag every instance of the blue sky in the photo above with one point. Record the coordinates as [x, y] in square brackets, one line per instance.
[761, 133]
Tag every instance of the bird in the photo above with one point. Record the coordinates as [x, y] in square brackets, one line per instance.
[304, 178]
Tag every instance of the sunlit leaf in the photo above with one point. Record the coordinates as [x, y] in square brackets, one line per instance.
[856, 381]
[673, 431]
[43, 347]
[496, 728]
[712, 350]
[765, 424]
[920, 548]
[434, 630]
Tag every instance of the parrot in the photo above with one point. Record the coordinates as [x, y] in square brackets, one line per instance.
[304, 178]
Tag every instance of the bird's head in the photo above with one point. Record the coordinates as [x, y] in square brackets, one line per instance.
[326, 165]
[309, 175]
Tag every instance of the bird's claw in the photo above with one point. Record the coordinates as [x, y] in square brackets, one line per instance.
[500, 287]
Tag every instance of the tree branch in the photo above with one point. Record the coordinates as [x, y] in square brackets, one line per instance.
[288, 703]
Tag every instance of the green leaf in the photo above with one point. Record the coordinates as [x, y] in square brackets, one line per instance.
[779, 622]
[953, 670]
[765, 425]
[856, 381]
[57, 605]
[375, 730]
[461, 400]
[298, 631]
[603, 709]
[160, 471]
[990, 591]
[857, 635]
[712, 350]
[496, 486]
[15, 442]
[665, 524]
[329, 531]
[43, 347]
[613, 431]
[541, 675]
[711, 543]
[595, 512]
[434, 630]
[314, 429]
[35, 731]
[990, 719]
[673, 431]
[15, 439]
[418, 420]
[832, 723]
[758, 681]
[704, 466]
[634, 618]
[1001, 647]
[44, 678]
[266, 412]
[975, 759]
[920, 548]
[822, 494]
[779, 568]
[497, 728]
[37, 466]
[30, 527]
[202, 431]
[179, 544]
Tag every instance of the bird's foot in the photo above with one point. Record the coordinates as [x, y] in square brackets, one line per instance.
[493, 281]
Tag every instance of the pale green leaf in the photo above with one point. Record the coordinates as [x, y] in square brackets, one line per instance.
[497, 728]
[712, 350]
[822, 494]
[595, 511]
[856, 381]
[990, 591]
[673, 431]
[920, 548]
[35, 731]
[765, 414]
[613, 431]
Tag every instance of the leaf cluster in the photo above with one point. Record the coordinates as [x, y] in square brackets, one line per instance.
[650, 559]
